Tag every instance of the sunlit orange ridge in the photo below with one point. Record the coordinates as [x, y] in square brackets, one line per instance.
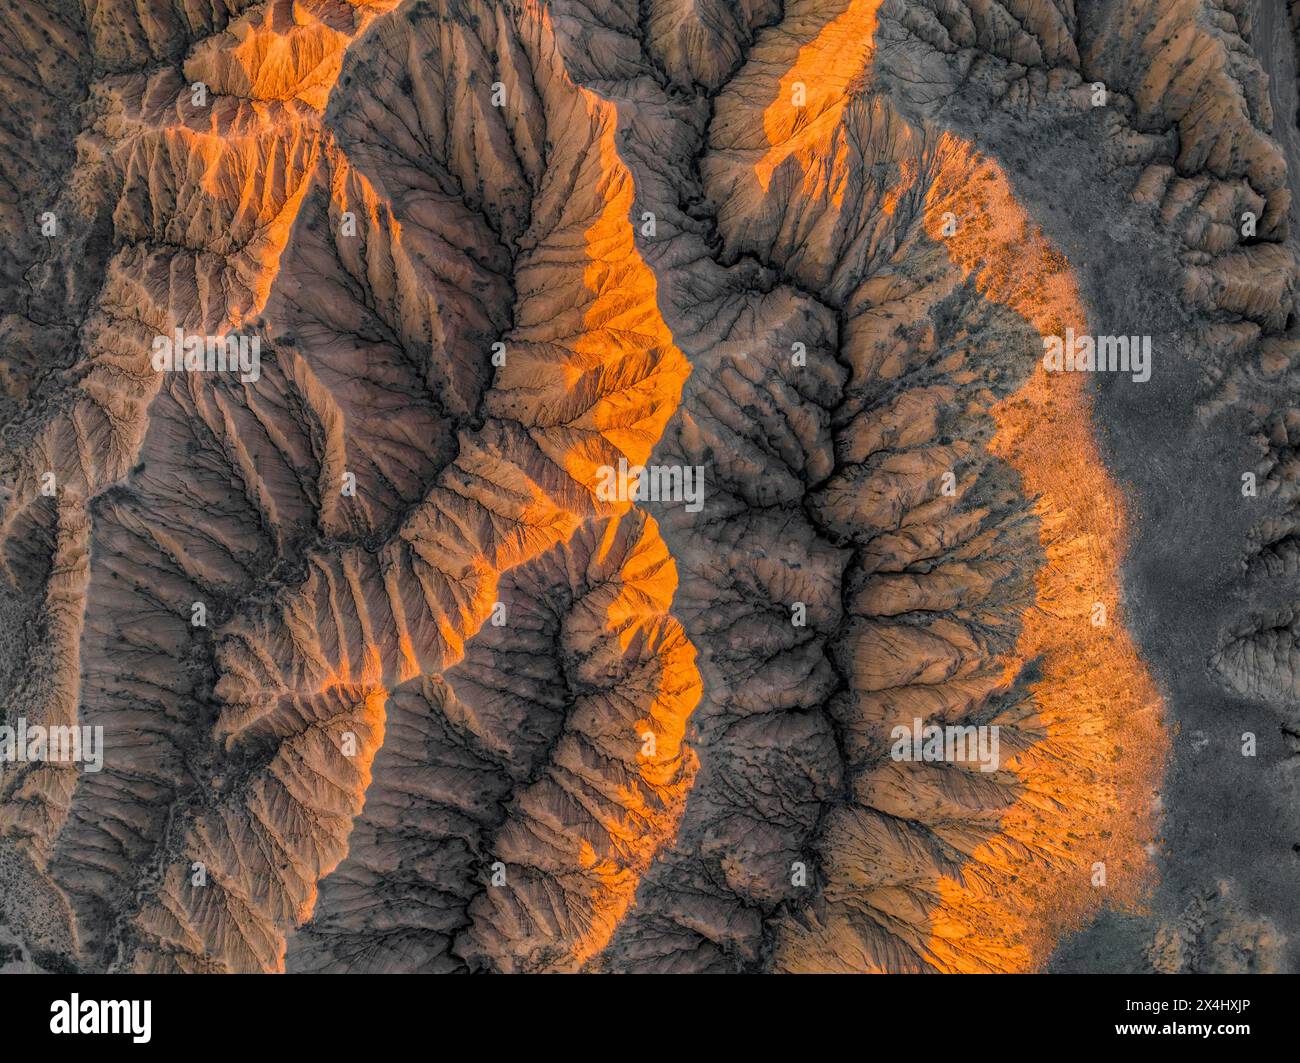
[1105, 747]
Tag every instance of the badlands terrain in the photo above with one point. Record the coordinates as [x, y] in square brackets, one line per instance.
[644, 415]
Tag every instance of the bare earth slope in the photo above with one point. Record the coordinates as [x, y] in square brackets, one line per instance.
[388, 678]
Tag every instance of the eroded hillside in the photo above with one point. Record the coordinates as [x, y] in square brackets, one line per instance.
[488, 484]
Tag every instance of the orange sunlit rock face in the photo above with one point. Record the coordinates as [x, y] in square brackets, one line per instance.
[811, 97]
[576, 841]
[621, 380]
[605, 395]
[1095, 697]
[607, 509]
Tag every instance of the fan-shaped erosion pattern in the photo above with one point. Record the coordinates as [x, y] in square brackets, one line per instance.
[649, 449]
